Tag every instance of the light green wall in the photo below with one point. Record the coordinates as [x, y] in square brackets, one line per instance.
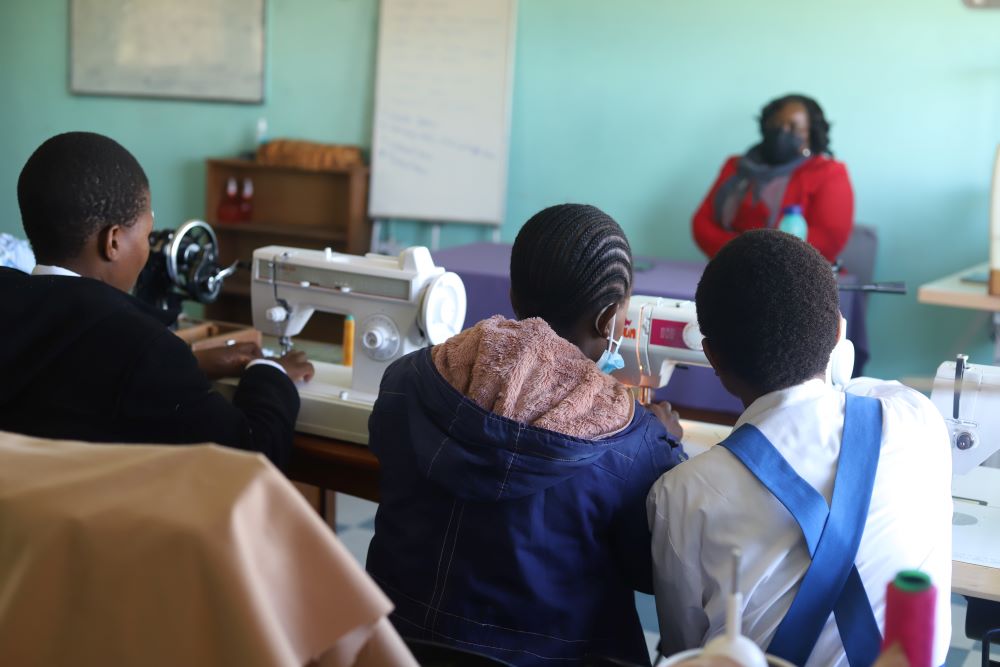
[629, 105]
[320, 64]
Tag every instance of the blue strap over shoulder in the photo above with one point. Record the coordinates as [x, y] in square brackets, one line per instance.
[832, 583]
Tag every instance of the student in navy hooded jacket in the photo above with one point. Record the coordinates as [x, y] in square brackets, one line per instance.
[515, 469]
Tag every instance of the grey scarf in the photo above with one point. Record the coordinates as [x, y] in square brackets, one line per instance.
[766, 182]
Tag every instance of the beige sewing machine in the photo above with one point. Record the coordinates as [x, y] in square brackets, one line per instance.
[400, 304]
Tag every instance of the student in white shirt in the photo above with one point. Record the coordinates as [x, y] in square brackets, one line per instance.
[768, 308]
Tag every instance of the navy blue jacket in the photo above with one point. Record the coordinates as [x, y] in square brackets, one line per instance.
[510, 540]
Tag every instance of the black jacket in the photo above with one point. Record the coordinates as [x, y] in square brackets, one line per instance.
[82, 360]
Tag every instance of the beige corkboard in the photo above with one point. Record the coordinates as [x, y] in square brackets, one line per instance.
[190, 49]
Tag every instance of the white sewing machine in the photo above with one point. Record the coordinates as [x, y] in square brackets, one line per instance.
[400, 304]
[661, 334]
[968, 397]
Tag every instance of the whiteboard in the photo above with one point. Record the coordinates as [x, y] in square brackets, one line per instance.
[195, 49]
[442, 110]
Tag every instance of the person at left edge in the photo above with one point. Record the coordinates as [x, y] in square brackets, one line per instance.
[81, 358]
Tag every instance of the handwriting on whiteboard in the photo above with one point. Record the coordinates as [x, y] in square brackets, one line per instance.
[442, 104]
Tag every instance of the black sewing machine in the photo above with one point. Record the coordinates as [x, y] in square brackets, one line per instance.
[183, 265]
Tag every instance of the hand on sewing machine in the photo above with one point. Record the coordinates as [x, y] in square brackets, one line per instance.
[668, 417]
[227, 361]
[297, 366]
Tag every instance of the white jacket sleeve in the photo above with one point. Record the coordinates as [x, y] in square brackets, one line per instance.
[677, 585]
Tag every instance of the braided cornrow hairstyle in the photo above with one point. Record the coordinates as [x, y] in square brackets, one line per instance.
[569, 261]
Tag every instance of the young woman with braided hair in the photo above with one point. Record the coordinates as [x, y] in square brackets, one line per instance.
[514, 468]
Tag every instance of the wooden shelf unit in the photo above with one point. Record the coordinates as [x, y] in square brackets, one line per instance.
[296, 207]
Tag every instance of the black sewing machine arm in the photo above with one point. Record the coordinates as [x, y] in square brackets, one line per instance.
[183, 265]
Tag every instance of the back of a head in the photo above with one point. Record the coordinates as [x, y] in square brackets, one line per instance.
[568, 262]
[72, 186]
[769, 306]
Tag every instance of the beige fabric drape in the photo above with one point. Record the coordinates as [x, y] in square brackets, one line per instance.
[148, 555]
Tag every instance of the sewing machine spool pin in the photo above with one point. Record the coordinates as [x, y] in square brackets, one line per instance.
[961, 361]
[963, 435]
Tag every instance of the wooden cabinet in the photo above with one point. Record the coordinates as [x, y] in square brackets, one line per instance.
[295, 207]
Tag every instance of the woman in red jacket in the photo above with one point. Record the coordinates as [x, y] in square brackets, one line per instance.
[792, 165]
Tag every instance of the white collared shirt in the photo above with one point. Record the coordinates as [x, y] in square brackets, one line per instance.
[49, 270]
[702, 509]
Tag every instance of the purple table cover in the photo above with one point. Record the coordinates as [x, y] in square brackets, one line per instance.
[485, 270]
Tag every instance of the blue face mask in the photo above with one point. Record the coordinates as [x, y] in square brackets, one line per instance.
[612, 360]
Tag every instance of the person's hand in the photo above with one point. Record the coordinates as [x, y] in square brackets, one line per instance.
[297, 366]
[668, 417]
[227, 361]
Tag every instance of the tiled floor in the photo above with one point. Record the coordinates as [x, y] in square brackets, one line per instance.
[356, 523]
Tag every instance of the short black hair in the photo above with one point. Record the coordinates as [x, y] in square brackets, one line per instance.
[769, 306]
[569, 261]
[819, 127]
[74, 185]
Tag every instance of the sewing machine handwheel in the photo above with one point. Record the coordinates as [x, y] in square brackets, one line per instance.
[380, 337]
[442, 313]
[192, 232]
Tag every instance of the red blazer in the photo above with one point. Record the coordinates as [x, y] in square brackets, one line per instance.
[820, 186]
